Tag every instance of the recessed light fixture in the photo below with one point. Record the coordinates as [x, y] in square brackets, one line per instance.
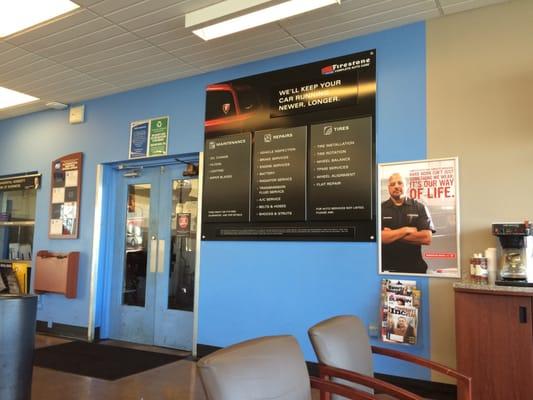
[252, 19]
[10, 98]
[17, 15]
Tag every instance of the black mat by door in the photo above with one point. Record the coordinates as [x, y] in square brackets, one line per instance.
[99, 360]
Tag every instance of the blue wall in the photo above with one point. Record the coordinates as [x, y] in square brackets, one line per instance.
[247, 289]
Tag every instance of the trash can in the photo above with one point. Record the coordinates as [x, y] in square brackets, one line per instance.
[17, 335]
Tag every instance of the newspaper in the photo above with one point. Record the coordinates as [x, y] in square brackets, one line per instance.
[400, 303]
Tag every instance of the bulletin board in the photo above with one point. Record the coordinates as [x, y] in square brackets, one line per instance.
[65, 195]
[290, 154]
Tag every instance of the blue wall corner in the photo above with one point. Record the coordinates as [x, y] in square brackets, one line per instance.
[247, 289]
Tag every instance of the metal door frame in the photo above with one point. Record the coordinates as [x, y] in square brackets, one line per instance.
[100, 264]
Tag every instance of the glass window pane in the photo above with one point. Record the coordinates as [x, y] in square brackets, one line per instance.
[183, 244]
[135, 265]
[17, 205]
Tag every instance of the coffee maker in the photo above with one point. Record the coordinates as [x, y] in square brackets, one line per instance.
[515, 266]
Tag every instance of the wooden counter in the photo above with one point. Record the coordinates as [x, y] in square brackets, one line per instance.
[494, 334]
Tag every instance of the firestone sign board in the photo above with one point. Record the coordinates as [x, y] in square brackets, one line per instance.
[290, 154]
[148, 138]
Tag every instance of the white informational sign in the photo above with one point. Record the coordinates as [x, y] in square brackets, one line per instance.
[419, 218]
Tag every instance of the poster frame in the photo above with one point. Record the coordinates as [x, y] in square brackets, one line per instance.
[76, 160]
[402, 166]
[335, 91]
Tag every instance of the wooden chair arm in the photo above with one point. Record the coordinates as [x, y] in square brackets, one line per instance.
[328, 387]
[327, 372]
[421, 361]
[464, 382]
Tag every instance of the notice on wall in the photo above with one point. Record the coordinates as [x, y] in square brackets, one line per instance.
[278, 184]
[227, 177]
[20, 182]
[340, 164]
[65, 196]
[306, 170]
[428, 192]
[148, 138]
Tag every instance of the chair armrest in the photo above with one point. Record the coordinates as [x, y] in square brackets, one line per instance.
[365, 380]
[464, 382]
[327, 387]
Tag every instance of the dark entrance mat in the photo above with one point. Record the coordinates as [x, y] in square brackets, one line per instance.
[99, 360]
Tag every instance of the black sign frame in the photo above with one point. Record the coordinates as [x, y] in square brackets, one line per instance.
[333, 92]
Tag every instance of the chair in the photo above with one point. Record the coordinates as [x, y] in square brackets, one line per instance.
[344, 353]
[270, 368]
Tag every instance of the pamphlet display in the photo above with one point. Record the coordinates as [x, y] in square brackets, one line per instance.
[290, 154]
[65, 196]
[148, 138]
[400, 306]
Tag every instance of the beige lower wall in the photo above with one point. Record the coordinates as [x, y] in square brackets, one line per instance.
[480, 108]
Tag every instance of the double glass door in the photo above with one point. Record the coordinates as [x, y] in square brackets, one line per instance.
[154, 264]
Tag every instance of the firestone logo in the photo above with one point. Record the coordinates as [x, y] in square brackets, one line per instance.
[347, 66]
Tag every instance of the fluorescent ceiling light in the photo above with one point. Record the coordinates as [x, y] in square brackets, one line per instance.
[17, 15]
[10, 98]
[261, 17]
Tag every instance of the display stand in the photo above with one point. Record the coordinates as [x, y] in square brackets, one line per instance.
[400, 306]
[57, 273]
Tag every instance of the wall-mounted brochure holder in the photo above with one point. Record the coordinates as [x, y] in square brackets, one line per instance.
[57, 273]
[400, 306]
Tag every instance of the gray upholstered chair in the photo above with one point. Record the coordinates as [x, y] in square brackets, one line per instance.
[270, 368]
[344, 353]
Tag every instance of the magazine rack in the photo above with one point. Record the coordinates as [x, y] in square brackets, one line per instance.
[400, 306]
[57, 273]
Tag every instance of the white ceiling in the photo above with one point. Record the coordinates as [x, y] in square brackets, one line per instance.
[110, 46]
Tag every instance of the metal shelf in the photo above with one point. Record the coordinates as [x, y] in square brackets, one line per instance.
[5, 261]
[17, 223]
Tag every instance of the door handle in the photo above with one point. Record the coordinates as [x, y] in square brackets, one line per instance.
[153, 254]
[161, 256]
[522, 314]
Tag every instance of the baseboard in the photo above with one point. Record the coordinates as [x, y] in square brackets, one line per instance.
[67, 331]
[203, 350]
[433, 390]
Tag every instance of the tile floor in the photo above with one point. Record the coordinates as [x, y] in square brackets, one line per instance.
[175, 381]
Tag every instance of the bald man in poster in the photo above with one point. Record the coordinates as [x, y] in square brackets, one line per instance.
[406, 226]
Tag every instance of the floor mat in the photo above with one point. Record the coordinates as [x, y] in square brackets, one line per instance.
[99, 360]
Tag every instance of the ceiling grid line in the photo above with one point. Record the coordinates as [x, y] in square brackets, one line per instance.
[111, 46]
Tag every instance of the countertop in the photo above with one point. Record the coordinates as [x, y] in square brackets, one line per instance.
[493, 289]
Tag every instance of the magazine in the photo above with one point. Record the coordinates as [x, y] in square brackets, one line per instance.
[400, 302]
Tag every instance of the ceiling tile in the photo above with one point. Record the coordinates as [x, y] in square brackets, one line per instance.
[378, 26]
[87, 3]
[373, 18]
[355, 18]
[454, 6]
[134, 73]
[252, 57]
[129, 61]
[102, 51]
[26, 70]
[4, 46]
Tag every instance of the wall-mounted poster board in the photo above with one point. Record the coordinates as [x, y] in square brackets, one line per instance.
[148, 138]
[290, 154]
[65, 196]
[419, 218]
